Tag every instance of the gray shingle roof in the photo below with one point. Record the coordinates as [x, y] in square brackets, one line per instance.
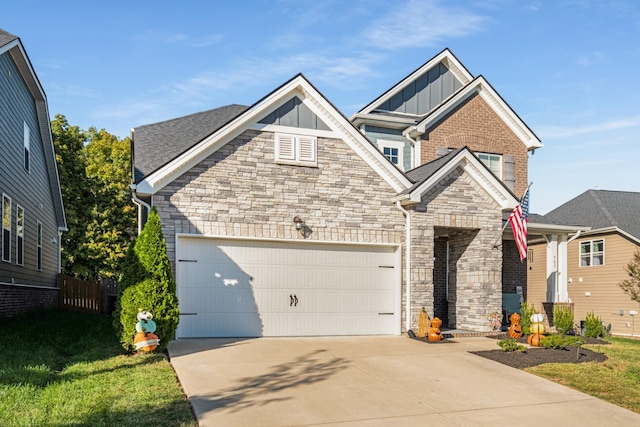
[6, 38]
[156, 144]
[599, 209]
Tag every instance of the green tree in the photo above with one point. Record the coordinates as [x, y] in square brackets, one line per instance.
[631, 286]
[147, 283]
[112, 226]
[76, 193]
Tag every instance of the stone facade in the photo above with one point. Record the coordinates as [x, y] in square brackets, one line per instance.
[476, 125]
[240, 191]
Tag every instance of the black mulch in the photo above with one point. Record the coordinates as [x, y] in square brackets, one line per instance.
[538, 355]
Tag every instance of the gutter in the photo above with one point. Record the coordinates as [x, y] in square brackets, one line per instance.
[140, 204]
[416, 146]
[407, 265]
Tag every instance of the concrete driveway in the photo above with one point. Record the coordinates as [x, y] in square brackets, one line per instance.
[372, 381]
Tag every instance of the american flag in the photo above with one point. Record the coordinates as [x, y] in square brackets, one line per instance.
[518, 220]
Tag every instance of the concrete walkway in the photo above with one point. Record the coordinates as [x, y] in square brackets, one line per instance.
[373, 381]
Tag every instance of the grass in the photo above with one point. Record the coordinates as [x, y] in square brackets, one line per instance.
[617, 380]
[61, 368]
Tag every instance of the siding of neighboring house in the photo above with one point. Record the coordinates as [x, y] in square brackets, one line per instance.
[30, 190]
[606, 299]
[537, 275]
[240, 191]
[474, 124]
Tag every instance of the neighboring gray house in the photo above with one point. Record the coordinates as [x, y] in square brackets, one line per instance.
[284, 218]
[32, 208]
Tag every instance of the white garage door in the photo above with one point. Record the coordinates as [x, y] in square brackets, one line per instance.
[236, 288]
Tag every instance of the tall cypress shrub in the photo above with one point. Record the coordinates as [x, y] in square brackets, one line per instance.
[146, 283]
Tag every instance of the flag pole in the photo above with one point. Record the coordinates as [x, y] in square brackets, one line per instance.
[504, 227]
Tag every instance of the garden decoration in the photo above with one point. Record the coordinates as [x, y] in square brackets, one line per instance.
[495, 321]
[537, 329]
[434, 332]
[145, 340]
[515, 329]
[423, 323]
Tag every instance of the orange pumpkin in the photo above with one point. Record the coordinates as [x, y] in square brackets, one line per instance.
[434, 332]
[534, 339]
[145, 342]
[514, 318]
[515, 330]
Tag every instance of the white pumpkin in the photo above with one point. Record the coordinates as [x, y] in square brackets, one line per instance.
[537, 318]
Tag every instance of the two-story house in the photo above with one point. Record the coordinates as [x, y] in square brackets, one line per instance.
[32, 208]
[287, 218]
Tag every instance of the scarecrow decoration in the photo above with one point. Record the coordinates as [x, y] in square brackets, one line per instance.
[424, 323]
[145, 340]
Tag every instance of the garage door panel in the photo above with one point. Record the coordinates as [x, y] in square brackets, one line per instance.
[245, 288]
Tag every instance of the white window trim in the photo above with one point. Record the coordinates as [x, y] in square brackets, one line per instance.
[19, 235]
[27, 148]
[4, 227]
[399, 145]
[299, 150]
[499, 158]
[591, 253]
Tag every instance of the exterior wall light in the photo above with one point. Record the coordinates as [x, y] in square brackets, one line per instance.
[298, 222]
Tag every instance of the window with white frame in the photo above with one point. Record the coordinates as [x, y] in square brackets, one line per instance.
[6, 228]
[493, 162]
[27, 146]
[393, 150]
[39, 246]
[296, 149]
[592, 253]
[19, 235]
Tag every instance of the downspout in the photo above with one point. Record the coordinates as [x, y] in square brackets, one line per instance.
[415, 160]
[140, 204]
[407, 261]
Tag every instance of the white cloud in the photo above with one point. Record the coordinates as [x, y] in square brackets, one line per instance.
[556, 132]
[421, 23]
[592, 58]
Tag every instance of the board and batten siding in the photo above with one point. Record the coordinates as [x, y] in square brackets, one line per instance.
[606, 299]
[29, 189]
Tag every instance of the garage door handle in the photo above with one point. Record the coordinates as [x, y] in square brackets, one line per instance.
[188, 314]
[386, 314]
[293, 300]
[295, 297]
[290, 300]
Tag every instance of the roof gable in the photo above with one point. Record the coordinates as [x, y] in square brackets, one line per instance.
[424, 89]
[430, 174]
[12, 46]
[480, 86]
[313, 100]
[294, 113]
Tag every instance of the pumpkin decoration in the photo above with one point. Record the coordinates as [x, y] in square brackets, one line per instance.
[423, 323]
[534, 339]
[515, 329]
[537, 329]
[145, 340]
[434, 333]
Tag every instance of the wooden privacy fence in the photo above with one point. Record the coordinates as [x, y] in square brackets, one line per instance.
[87, 296]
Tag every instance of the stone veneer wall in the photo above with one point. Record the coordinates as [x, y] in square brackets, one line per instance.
[17, 299]
[474, 222]
[475, 125]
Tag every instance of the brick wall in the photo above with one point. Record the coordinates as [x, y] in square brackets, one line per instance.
[514, 272]
[16, 299]
[475, 125]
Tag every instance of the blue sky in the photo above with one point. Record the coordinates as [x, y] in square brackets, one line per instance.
[568, 68]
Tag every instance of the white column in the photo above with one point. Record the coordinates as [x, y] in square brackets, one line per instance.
[563, 265]
[552, 268]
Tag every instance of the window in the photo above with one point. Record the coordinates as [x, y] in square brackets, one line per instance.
[592, 253]
[6, 228]
[296, 149]
[27, 145]
[39, 246]
[493, 162]
[20, 236]
[394, 151]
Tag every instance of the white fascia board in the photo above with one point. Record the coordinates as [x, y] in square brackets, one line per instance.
[471, 165]
[314, 100]
[613, 229]
[445, 57]
[534, 228]
[497, 104]
[7, 47]
[14, 46]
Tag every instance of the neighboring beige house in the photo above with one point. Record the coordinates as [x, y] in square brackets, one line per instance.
[287, 218]
[606, 235]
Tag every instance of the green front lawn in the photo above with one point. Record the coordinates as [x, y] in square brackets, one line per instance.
[61, 368]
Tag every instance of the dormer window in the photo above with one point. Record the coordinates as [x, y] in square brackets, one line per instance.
[296, 149]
